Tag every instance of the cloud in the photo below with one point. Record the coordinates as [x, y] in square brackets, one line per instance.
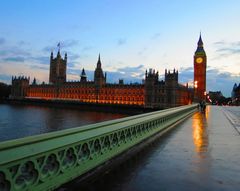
[23, 43]
[5, 78]
[221, 81]
[48, 48]
[2, 41]
[129, 69]
[71, 64]
[72, 56]
[14, 59]
[121, 41]
[224, 49]
[87, 48]
[217, 80]
[41, 59]
[63, 44]
[41, 67]
[185, 74]
[74, 71]
[219, 43]
[69, 43]
[72, 59]
[13, 51]
[228, 51]
[128, 74]
[142, 51]
[156, 36]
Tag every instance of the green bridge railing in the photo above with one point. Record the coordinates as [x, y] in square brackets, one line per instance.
[44, 162]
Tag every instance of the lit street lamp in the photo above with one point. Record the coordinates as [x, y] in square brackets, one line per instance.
[195, 91]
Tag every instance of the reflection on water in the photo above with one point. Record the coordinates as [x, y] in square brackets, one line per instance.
[18, 121]
[200, 134]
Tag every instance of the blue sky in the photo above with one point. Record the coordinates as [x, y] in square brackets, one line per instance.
[131, 36]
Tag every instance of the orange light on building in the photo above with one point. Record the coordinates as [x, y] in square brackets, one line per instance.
[195, 84]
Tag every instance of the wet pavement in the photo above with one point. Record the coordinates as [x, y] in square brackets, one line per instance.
[233, 114]
[202, 153]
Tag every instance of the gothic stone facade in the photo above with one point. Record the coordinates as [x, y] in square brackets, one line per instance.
[151, 94]
[58, 68]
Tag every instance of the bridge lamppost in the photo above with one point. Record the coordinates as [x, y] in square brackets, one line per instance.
[205, 95]
[195, 91]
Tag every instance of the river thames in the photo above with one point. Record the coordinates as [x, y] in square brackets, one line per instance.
[17, 121]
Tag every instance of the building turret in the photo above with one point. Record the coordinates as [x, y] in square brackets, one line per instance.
[83, 76]
[65, 57]
[34, 81]
[171, 87]
[58, 54]
[20, 87]
[151, 77]
[99, 64]
[171, 77]
[151, 88]
[58, 68]
[99, 78]
[236, 94]
[51, 57]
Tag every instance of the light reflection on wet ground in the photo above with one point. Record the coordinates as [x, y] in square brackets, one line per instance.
[202, 153]
[200, 136]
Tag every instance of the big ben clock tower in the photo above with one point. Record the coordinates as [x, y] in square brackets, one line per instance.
[200, 64]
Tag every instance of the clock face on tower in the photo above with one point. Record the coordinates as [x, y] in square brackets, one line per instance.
[199, 60]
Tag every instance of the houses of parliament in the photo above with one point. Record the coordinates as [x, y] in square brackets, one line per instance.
[152, 93]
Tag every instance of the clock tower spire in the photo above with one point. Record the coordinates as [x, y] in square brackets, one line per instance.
[200, 65]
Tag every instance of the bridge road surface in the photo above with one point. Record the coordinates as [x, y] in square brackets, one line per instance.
[202, 153]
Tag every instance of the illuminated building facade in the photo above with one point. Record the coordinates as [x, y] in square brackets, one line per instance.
[152, 93]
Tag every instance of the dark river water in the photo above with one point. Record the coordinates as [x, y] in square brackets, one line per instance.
[18, 121]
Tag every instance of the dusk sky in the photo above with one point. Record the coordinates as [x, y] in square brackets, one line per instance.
[130, 35]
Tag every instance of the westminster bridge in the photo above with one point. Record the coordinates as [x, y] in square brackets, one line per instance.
[201, 152]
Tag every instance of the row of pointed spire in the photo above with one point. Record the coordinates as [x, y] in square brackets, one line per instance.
[24, 78]
[58, 55]
[20, 78]
[99, 64]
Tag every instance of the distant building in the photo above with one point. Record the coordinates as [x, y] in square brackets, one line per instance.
[236, 94]
[5, 90]
[215, 97]
[20, 87]
[152, 93]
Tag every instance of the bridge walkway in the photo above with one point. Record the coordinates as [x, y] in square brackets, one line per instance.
[202, 153]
